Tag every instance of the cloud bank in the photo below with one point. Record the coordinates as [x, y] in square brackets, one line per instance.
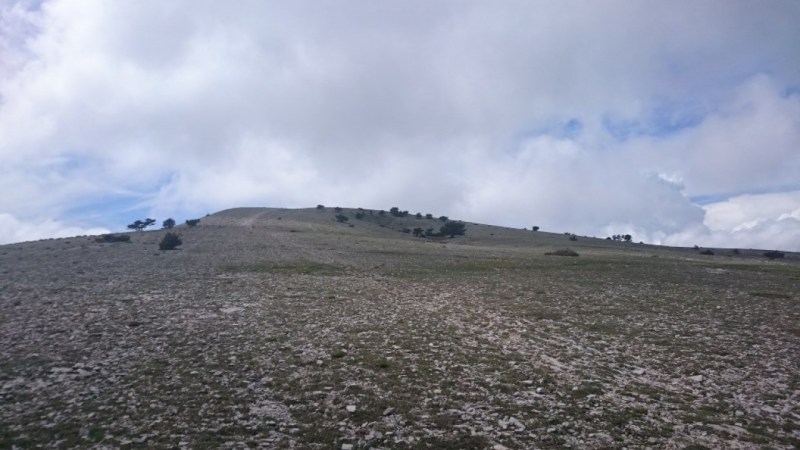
[595, 119]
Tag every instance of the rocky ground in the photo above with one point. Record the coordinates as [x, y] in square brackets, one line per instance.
[269, 329]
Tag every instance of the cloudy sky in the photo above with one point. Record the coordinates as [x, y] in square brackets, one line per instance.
[677, 122]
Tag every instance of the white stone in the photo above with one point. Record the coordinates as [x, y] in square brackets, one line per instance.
[351, 408]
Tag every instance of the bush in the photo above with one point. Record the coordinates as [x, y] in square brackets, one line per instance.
[535, 228]
[708, 252]
[170, 241]
[418, 215]
[320, 206]
[736, 251]
[774, 254]
[341, 218]
[169, 223]
[359, 215]
[395, 211]
[192, 222]
[563, 252]
[572, 237]
[107, 238]
[337, 209]
[453, 229]
[444, 218]
[429, 216]
[418, 232]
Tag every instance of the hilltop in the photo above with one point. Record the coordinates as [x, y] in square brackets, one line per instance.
[285, 328]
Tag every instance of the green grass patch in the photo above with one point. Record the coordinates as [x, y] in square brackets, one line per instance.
[292, 268]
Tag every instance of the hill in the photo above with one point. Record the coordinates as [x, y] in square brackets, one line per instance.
[277, 328]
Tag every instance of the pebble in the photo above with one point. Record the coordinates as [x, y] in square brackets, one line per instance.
[351, 408]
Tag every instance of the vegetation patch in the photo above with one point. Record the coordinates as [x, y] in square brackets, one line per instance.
[292, 268]
[563, 252]
[110, 238]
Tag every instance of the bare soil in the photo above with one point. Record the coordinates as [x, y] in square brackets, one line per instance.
[274, 328]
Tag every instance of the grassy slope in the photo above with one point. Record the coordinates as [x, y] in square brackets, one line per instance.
[269, 323]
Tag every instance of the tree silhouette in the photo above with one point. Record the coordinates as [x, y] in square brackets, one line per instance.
[169, 223]
[140, 225]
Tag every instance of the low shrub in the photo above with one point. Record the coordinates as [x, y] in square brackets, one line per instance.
[192, 222]
[774, 254]
[113, 238]
[563, 252]
[169, 242]
[707, 251]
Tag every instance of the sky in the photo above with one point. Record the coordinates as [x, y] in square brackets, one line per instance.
[676, 122]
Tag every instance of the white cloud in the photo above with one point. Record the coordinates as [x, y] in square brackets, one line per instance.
[769, 221]
[454, 108]
[14, 230]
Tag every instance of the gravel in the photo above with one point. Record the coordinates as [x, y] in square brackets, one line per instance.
[300, 332]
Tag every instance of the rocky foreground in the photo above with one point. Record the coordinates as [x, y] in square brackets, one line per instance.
[267, 333]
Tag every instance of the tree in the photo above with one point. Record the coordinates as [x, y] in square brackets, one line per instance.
[419, 232]
[140, 225]
[429, 216]
[452, 228]
[381, 213]
[192, 222]
[170, 242]
[627, 237]
[444, 218]
[395, 211]
[535, 228]
[419, 216]
[169, 223]
[360, 215]
[320, 206]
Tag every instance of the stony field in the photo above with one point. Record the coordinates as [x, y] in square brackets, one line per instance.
[284, 329]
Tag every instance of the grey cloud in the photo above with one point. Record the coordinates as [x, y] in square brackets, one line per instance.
[444, 107]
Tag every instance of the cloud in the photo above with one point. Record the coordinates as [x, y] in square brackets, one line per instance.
[595, 119]
[766, 221]
[14, 230]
